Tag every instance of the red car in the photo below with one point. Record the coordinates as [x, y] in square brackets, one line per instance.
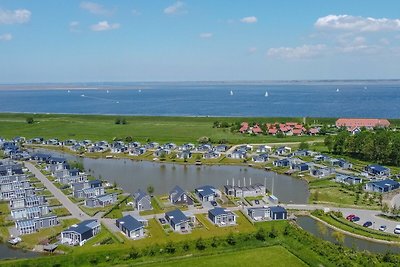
[350, 217]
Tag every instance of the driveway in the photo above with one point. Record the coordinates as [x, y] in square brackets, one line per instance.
[65, 201]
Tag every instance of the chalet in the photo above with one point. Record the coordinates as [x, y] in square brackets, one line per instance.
[169, 146]
[313, 131]
[130, 226]
[137, 151]
[283, 150]
[189, 146]
[30, 226]
[263, 149]
[29, 212]
[238, 154]
[383, 186]
[344, 164]
[152, 145]
[321, 158]
[78, 234]
[256, 129]
[40, 157]
[178, 196]
[211, 155]
[142, 201]
[278, 213]
[244, 127]
[245, 191]
[282, 162]
[222, 217]
[178, 220]
[78, 148]
[322, 172]
[101, 200]
[161, 152]
[186, 154]
[27, 202]
[377, 170]
[260, 158]
[267, 213]
[207, 193]
[221, 148]
[347, 179]
[204, 147]
[301, 153]
[134, 144]
[300, 167]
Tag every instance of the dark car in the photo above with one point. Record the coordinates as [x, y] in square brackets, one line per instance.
[355, 219]
[214, 203]
[367, 224]
[162, 220]
[257, 202]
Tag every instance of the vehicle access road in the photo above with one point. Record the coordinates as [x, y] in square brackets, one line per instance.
[65, 201]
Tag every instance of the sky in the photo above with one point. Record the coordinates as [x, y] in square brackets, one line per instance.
[198, 40]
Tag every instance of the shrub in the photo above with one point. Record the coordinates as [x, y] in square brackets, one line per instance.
[30, 120]
[200, 245]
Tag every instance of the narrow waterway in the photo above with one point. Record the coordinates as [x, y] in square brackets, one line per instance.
[9, 252]
[322, 231]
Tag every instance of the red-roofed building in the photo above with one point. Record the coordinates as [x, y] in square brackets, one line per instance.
[367, 123]
[256, 129]
[297, 131]
[272, 131]
[313, 131]
[244, 127]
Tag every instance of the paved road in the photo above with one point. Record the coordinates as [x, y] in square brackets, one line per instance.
[65, 201]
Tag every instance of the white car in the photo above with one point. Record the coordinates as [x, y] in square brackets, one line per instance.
[397, 229]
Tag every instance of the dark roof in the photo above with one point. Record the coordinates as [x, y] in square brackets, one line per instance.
[82, 227]
[385, 183]
[139, 195]
[378, 168]
[130, 223]
[94, 182]
[177, 191]
[278, 209]
[205, 190]
[176, 216]
[219, 211]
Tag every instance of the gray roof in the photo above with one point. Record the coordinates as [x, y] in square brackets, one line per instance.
[176, 216]
[277, 209]
[178, 192]
[220, 211]
[205, 190]
[130, 223]
[82, 227]
[139, 195]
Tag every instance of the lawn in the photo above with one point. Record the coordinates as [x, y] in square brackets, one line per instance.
[270, 256]
[60, 212]
[141, 128]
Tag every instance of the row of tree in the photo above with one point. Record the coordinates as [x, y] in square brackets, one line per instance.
[381, 146]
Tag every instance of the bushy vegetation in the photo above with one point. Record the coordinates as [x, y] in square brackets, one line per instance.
[381, 145]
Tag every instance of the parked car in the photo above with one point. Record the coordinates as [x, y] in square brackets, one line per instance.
[355, 219]
[397, 229]
[350, 217]
[383, 228]
[257, 202]
[162, 221]
[214, 203]
[367, 224]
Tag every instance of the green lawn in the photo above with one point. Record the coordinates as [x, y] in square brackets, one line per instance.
[160, 129]
[270, 256]
[60, 212]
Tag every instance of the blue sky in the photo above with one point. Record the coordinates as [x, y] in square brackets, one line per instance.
[145, 40]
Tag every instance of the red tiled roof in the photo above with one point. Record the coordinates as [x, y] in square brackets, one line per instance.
[256, 129]
[297, 131]
[362, 122]
[272, 131]
[313, 131]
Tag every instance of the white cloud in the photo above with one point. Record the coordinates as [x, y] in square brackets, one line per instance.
[104, 26]
[74, 26]
[136, 12]
[96, 9]
[357, 23]
[252, 50]
[251, 19]
[6, 37]
[305, 51]
[206, 35]
[17, 16]
[176, 8]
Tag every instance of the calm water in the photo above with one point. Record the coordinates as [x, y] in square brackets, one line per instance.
[191, 99]
[7, 252]
[132, 175]
[322, 231]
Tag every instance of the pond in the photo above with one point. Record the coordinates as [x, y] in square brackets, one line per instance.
[132, 175]
[322, 231]
[8, 252]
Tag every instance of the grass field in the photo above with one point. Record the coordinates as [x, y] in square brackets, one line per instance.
[160, 129]
[270, 256]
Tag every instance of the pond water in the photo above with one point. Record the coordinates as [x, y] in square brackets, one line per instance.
[8, 252]
[322, 231]
[132, 175]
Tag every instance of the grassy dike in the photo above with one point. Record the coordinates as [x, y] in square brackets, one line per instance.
[140, 128]
[278, 243]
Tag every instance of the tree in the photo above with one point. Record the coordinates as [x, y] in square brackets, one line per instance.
[30, 120]
[170, 247]
[339, 237]
[273, 233]
[385, 208]
[128, 139]
[260, 234]
[200, 244]
[186, 246]
[203, 140]
[304, 146]
[123, 121]
[118, 121]
[328, 141]
[150, 189]
[134, 253]
[214, 242]
[230, 239]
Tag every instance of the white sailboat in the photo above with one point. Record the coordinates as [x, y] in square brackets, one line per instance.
[365, 88]
[231, 92]
[266, 94]
[108, 91]
[337, 90]
[82, 95]
[69, 91]
[140, 90]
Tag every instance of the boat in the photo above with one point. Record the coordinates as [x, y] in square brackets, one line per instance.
[140, 91]
[69, 91]
[365, 88]
[231, 92]
[15, 240]
[108, 91]
[83, 95]
[266, 94]
[337, 90]
[117, 102]
[109, 156]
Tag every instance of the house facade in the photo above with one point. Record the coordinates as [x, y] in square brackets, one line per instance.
[222, 217]
[178, 220]
[131, 227]
[78, 234]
